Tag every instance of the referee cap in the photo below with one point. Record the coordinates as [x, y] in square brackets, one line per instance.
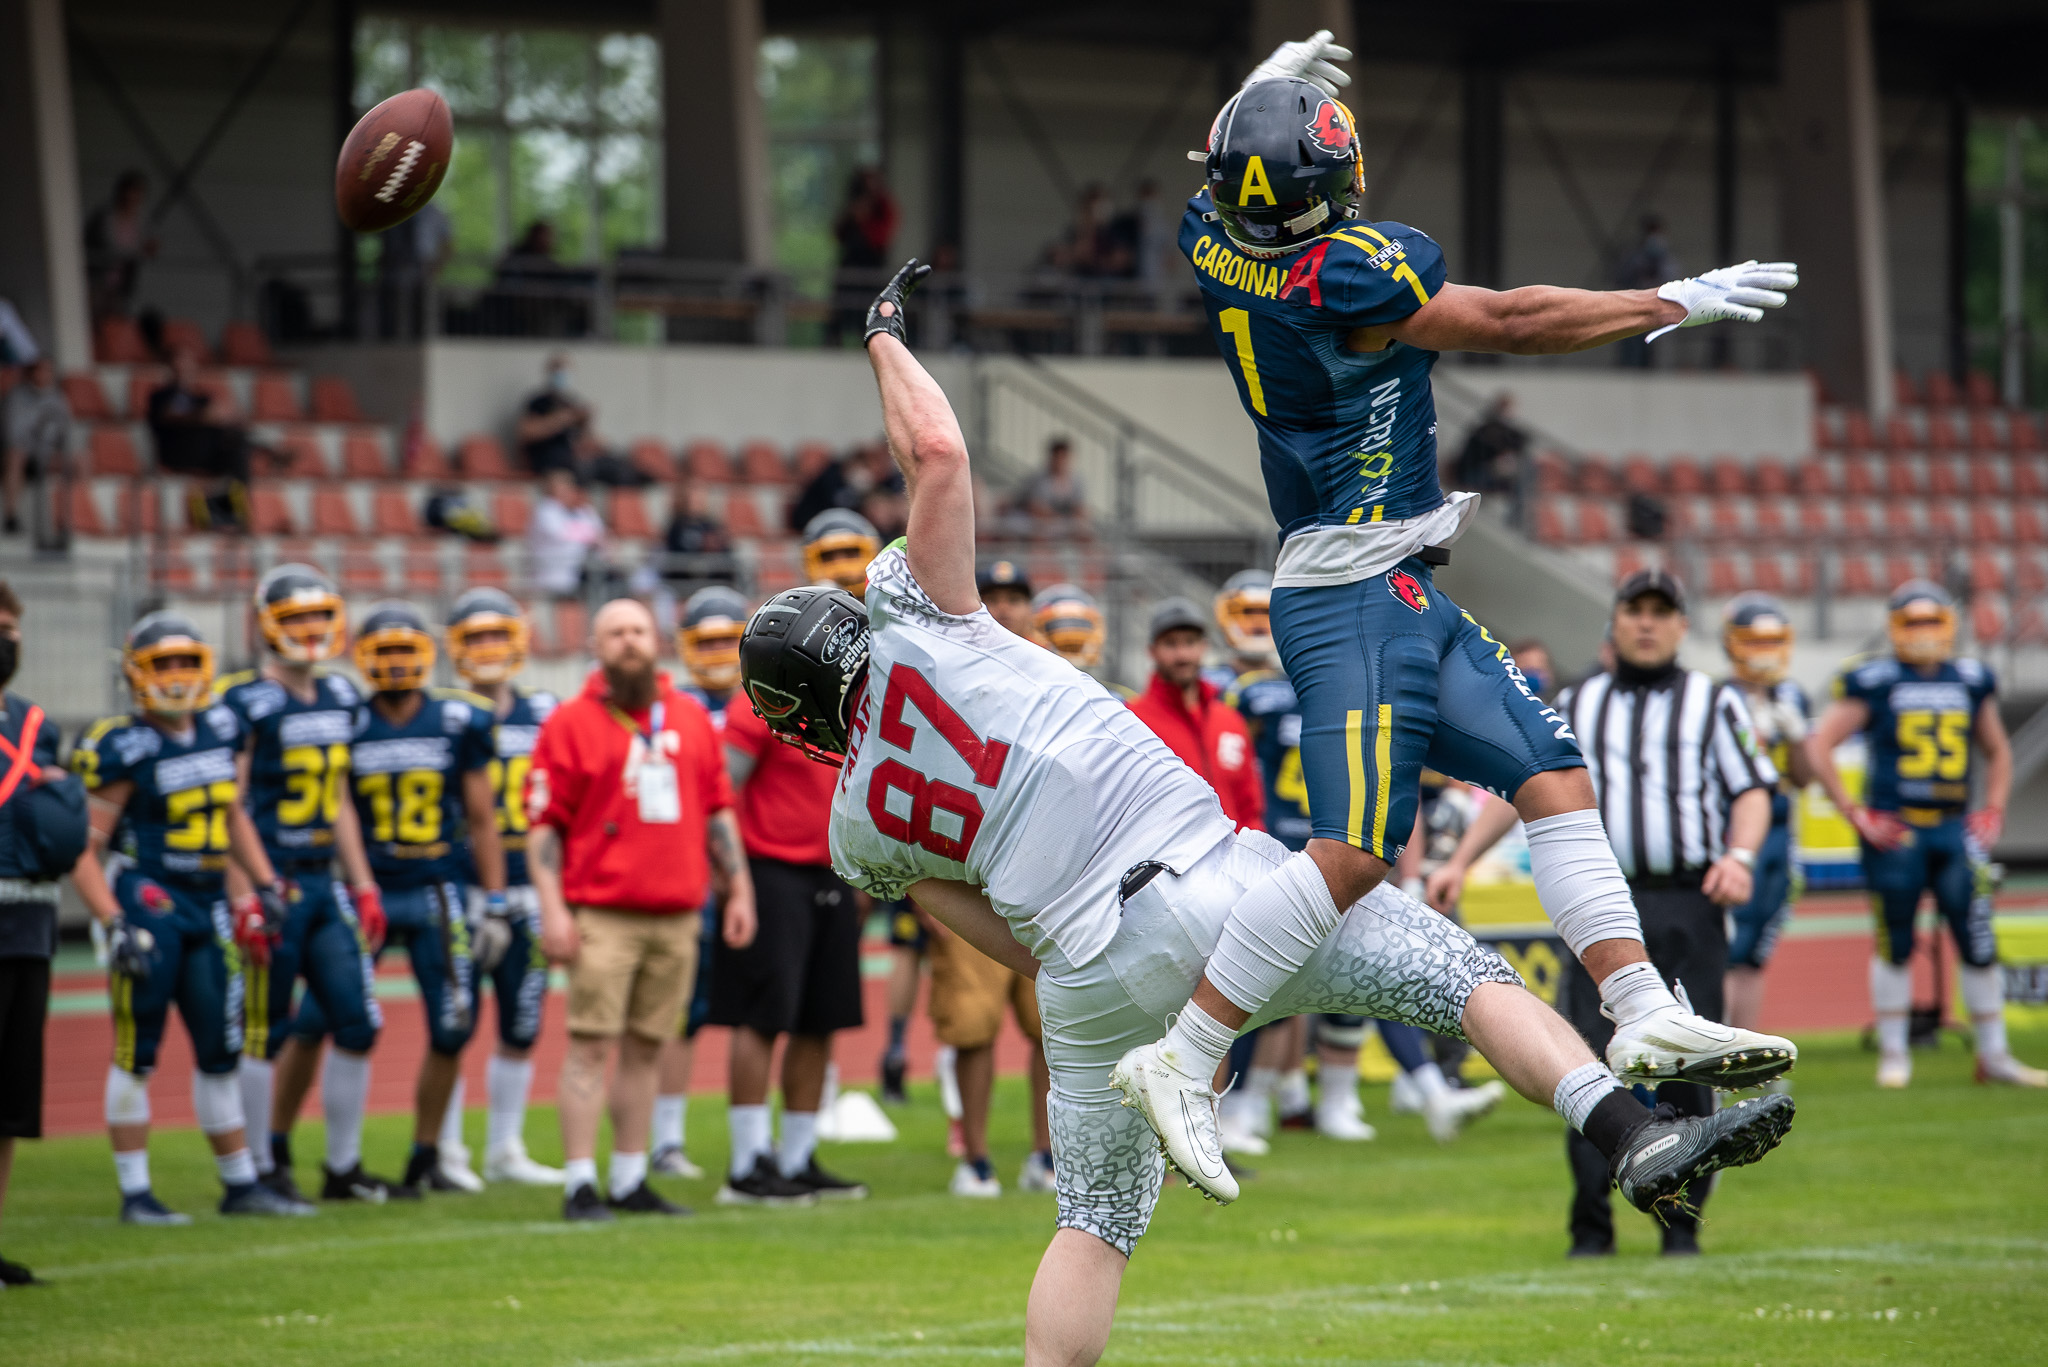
[1652, 580]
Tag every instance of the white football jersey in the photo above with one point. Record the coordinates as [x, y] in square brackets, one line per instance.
[979, 757]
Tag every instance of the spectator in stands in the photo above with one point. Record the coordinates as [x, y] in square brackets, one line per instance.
[888, 507]
[632, 824]
[1646, 267]
[199, 432]
[37, 433]
[866, 223]
[554, 431]
[409, 258]
[1091, 247]
[1052, 502]
[698, 546]
[1491, 459]
[1186, 711]
[565, 543]
[117, 242]
[845, 483]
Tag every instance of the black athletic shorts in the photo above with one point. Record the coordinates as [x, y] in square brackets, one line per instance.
[24, 1005]
[802, 972]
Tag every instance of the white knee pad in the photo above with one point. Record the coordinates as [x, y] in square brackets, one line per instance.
[1579, 882]
[127, 1097]
[217, 1101]
[1891, 987]
[1276, 924]
[1984, 990]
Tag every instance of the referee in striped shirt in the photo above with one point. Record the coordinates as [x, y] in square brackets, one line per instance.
[1685, 794]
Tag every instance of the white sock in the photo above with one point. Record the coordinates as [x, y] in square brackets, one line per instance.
[1580, 1090]
[507, 1082]
[629, 1170]
[1270, 933]
[1262, 1082]
[1984, 998]
[1196, 1042]
[1634, 991]
[579, 1172]
[668, 1122]
[799, 1139]
[1292, 1096]
[1578, 881]
[257, 1076]
[1431, 1081]
[1891, 997]
[237, 1169]
[344, 1095]
[131, 1170]
[450, 1138]
[949, 1081]
[748, 1126]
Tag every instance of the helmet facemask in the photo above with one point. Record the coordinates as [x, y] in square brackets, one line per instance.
[711, 653]
[395, 659]
[487, 647]
[172, 676]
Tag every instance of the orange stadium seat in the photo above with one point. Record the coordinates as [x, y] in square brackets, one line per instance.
[1948, 476]
[118, 341]
[1901, 566]
[761, 463]
[1857, 577]
[483, 565]
[2026, 524]
[1989, 526]
[629, 516]
[423, 458]
[571, 623]
[112, 450]
[482, 456]
[2027, 477]
[652, 459]
[1945, 520]
[270, 514]
[708, 462]
[275, 398]
[1682, 475]
[511, 511]
[182, 334]
[244, 344]
[1859, 477]
[391, 512]
[302, 447]
[1772, 518]
[2030, 572]
[85, 511]
[1984, 433]
[1941, 390]
[1979, 390]
[2026, 433]
[1988, 622]
[1767, 572]
[362, 569]
[1826, 435]
[743, 515]
[332, 513]
[362, 456]
[86, 397]
[1596, 477]
[1856, 433]
[423, 567]
[143, 381]
[1550, 526]
[1596, 522]
[1727, 475]
[1769, 476]
[1640, 475]
[1986, 574]
[1902, 476]
[1941, 432]
[334, 400]
[812, 457]
[1814, 477]
[1724, 575]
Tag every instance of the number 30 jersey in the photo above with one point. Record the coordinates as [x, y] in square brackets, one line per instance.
[1922, 730]
[298, 761]
[407, 783]
[174, 827]
[982, 758]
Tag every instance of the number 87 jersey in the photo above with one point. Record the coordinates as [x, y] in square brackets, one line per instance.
[979, 757]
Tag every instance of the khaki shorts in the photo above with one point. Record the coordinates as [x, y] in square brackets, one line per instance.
[969, 992]
[634, 972]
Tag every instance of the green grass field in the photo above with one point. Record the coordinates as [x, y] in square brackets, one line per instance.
[1909, 1228]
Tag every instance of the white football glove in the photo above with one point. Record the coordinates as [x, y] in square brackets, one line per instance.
[1738, 293]
[1313, 60]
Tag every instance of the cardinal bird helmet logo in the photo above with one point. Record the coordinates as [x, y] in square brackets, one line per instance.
[1408, 589]
[1330, 130]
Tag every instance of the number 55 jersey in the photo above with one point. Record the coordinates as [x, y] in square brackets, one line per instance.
[408, 785]
[982, 758]
[1922, 731]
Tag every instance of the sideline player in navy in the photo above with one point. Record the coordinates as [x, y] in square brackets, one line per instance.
[1329, 326]
[165, 800]
[1757, 636]
[1925, 714]
[487, 639]
[294, 769]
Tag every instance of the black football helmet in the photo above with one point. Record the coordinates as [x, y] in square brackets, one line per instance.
[804, 665]
[1283, 166]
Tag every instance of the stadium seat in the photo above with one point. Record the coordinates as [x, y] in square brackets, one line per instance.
[1988, 476]
[707, 462]
[85, 511]
[362, 455]
[1550, 524]
[628, 516]
[1815, 477]
[1857, 577]
[423, 458]
[2026, 524]
[234, 565]
[143, 381]
[776, 567]
[1597, 524]
[362, 569]
[334, 400]
[182, 334]
[1856, 434]
[270, 514]
[1859, 521]
[1984, 433]
[1941, 432]
[483, 457]
[1904, 520]
[1899, 566]
[304, 450]
[86, 397]
[391, 511]
[1827, 433]
[1724, 575]
[1948, 475]
[483, 565]
[1772, 518]
[743, 515]
[423, 567]
[1990, 523]
[1627, 560]
[1902, 476]
[112, 450]
[1727, 519]
[1904, 394]
[1944, 520]
[2030, 572]
[1859, 477]
[1682, 475]
[274, 398]
[1595, 477]
[244, 344]
[1767, 573]
[571, 622]
[1641, 475]
[652, 459]
[1940, 390]
[1769, 476]
[118, 341]
[1727, 475]
[511, 511]
[2029, 624]
[2029, 479]
[1986, 574]
[171, 568]
[2025, 432]
[1819, 518]
[761, 463]
[1980, 390]
[332, 513]
[1553, 476]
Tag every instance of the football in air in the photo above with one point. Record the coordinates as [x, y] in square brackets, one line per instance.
[393, 161]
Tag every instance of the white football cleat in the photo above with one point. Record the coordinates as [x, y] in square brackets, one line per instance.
[1342, 1116]
[2009, 1070]
[968, 1182]
[1404, 1097]
[1181, 1109]
[1036, 1174]
[509, 1163]
[1448, 1112]
[1894, 1071]
[455, 1167]
[1676, 1043]
[1237, 1115]
[671, 1161]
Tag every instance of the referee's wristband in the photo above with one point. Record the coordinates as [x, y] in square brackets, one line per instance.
[1746, 858]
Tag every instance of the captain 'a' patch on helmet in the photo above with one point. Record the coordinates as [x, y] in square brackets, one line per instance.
[1244, 612]
[1071, 624]
[1922, 622]
[804, 664]
[714, 620]
[394, 651]
[487, 636]
[838, 544]
[1283, 165]
[1757, 635]
[300, 614]
[168, 664]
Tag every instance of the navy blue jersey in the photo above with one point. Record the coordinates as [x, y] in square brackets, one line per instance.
[407, 784]
[175, 824]
[714, 703]
[1344, 436]
[1778, 745]
[1265, 698]
[1921, 732]
[512, 739]
[298, 761]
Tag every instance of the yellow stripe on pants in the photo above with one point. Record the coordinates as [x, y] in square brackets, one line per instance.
[1354, 752]
[1383, 762]
[124, 1022]
[256, 1012]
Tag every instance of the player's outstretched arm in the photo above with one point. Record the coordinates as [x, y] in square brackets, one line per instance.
[925, 439]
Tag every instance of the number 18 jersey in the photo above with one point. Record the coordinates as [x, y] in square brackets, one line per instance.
[981, 758]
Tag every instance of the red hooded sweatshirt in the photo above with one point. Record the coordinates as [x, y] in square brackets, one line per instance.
[1213, 741]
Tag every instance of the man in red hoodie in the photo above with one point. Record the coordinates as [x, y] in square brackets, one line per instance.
[632, 819]
[1186, 712]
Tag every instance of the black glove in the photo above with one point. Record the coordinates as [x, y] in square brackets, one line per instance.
[274, 902]
[886, 313]
[128, 949]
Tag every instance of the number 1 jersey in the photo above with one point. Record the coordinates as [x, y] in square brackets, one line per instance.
[982, 758]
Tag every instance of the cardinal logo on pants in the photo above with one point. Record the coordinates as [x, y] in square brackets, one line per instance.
[1408, 589]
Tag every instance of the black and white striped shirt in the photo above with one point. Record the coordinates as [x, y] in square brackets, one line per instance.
[1667, 757]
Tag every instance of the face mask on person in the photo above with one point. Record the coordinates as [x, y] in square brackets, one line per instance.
[1538, 681]
[10, 658]
[558, 380]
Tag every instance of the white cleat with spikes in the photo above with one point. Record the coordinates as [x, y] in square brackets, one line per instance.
[1676, 1043]
[1181, 1109]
